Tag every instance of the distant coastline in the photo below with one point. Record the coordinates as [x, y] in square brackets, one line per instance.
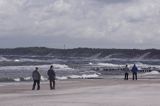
[84, 52]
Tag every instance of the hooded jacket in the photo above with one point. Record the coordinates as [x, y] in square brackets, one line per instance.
[134, 69]
[36, 75]
[51, 74]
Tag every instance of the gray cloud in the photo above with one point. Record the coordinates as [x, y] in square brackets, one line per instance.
[112, 1]
[87, 23]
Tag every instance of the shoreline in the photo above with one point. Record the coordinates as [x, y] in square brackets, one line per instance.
[83, 92]
[73, 83]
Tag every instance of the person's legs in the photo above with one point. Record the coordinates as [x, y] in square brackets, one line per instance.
[38, 84]
[50, 81]
[127, 76]
[132, 76]
[34, 84]
[136, 75]
[53, 84]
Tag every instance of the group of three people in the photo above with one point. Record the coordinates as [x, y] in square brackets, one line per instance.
[37, 77]
[134, 71]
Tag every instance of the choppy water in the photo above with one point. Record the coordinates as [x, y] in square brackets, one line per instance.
[19, 68]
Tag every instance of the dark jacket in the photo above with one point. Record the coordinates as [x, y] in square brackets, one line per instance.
[36, 75]
[51, 74]
[134, 69]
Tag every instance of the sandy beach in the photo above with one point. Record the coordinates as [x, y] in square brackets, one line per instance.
[83, 92]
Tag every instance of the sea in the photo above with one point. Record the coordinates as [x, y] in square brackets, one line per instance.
[15, 68]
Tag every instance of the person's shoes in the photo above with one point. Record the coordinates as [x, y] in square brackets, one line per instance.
[52, 88]
[38, 88]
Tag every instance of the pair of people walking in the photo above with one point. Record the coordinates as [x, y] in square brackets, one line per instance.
[134, 72]
[37, 77]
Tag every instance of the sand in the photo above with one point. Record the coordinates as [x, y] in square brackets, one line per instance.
[83, 92]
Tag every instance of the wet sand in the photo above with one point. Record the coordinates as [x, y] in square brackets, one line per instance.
[83, 92]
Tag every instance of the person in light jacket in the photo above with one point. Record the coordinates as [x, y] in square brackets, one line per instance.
[126, 70]
[36, 79]
[51, 77]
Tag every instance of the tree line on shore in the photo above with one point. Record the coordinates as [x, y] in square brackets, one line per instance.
[83, 52]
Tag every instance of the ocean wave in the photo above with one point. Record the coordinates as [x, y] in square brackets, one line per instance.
[2, 59]
[41, 67]
[26, 60]
[84, 76]
[109, 64]
[122, 65]
[28, 79]
[152, 73]
[138, 64]
[7, 79]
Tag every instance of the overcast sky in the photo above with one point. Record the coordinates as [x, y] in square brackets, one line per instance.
[80, 23]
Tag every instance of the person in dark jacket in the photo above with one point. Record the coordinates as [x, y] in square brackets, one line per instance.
[52, 77]
[134, 72]
[36, 79]
[126, 70]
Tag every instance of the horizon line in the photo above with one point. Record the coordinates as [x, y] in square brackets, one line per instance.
[77, 48]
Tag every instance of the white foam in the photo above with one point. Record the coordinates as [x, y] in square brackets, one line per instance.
[90, 76]
[16, 60]
[29, 60]
[75, 76]
[62, 78]
[27, 78]
[84, 76]
[138, 64]
[17, 79]
[90, 63]
[61, 66]
[32, 67]
[152, 73]
[43, 78]
[4, 59]
[108, 64]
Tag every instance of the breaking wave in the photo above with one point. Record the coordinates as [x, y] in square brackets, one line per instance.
[2, 59]
[23, 73]
[152, 73]
[84, 76]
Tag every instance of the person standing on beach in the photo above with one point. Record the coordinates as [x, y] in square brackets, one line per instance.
[134, 71]
[36, 79]
[126, 70]
[52, 77]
